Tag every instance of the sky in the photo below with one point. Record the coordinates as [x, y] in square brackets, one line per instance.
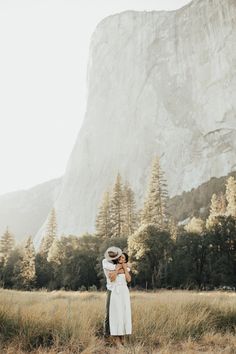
[44, 46]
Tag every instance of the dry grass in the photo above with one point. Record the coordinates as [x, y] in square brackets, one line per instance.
[71, 322]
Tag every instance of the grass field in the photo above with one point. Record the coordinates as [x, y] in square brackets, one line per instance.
[71, 322]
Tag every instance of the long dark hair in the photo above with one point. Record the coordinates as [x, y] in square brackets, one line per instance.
[126, 256]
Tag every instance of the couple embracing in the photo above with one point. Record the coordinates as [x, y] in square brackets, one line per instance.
[118, 310]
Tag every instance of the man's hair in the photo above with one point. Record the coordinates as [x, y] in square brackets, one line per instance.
[115, 261]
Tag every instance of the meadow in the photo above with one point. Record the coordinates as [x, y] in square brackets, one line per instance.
[71, 322]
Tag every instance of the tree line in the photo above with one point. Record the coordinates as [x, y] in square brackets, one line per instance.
[195, 254]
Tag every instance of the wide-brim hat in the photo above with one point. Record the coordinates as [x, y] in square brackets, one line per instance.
[112, 253]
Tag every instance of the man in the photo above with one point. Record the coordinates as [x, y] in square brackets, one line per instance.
[110, 270]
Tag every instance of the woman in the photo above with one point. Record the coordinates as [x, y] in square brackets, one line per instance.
[120, 309]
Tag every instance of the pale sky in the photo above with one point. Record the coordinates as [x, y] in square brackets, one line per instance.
[44, 47]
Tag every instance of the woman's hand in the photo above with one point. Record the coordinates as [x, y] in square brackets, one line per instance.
[119, 268]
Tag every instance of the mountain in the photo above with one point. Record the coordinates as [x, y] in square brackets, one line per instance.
[158, 83]
[24, 211]
[197, 201]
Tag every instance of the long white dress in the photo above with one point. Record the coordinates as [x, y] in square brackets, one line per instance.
[120, 309]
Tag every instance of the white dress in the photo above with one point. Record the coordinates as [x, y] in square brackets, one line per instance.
[120, 309]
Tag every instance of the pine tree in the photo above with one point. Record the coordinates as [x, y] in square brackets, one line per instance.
[116, 208]
[50, 235]
[27, 266]
[55, 253]
[173, 228]
[146, 213]
[103, 220]
[155, 205]
[7, 244]
[231, 196]
[139, 216]
[222, 204]
[217, 208]
[129, 211]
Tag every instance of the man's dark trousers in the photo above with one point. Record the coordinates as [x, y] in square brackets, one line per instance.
[106, 321]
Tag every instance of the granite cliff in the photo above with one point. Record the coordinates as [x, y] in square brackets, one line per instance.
[158, 83]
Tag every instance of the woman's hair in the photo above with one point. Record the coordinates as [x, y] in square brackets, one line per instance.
[126, 256]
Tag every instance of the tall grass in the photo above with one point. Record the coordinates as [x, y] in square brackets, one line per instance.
[72, 322]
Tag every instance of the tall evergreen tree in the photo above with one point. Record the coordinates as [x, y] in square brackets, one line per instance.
[222, 204]
[129, 211]
[117, 218]
[27, 266]
[146, 213]
[217, 208]
[103, 220]
[51, 234]
[231, 196]
[7, 243]
[173, 228]
[55, 253]
[155, 205]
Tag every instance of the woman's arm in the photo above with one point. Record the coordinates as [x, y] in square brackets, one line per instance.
[127, 275]
[128, 265]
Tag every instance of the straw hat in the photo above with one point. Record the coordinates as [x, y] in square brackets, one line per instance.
[112, 253]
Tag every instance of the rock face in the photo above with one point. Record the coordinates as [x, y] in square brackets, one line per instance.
[24, 211]
[158, 83]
